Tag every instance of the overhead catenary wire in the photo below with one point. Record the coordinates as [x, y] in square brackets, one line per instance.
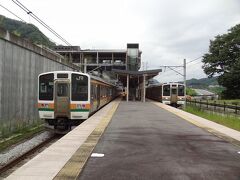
[40, 21]
[12, 13]
[166, 72]
[194, 64]
[194, 60]
[186, 64]
[7, 9]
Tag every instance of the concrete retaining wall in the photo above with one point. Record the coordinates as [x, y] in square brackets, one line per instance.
[20, 64]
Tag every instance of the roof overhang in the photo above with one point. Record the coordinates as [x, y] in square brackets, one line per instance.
[151, 73]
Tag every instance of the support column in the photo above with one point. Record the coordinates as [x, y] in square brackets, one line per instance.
[85, 65]
[70, 57]
[126, 62]
[144, 88]
[82, 62]
[97, 58]
[127, 88]
[112, 61]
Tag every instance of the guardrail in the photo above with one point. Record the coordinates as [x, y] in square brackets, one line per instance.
[215, 106]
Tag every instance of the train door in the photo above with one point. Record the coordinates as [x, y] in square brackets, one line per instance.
[174, 94]
[62, 100]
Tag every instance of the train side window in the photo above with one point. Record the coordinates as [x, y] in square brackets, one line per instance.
[166, 90]
[46, 86]
[79, 87]
[101, 91]
[92, 91]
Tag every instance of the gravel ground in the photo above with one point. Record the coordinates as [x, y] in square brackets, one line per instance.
[18, 150]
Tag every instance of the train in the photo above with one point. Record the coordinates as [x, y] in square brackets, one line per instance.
[168, 93]
[67, 98]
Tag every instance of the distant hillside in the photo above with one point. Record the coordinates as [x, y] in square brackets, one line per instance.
[209, 84]
[202, 83]
[26, 31]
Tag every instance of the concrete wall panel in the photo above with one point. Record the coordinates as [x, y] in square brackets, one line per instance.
[19, 70]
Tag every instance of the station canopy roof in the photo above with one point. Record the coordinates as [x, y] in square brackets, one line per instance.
[135, 77]
[137, 73]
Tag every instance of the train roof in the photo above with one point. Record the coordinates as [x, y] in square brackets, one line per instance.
[100, 79]
[171, 83]
[62, 72]
[91, 76]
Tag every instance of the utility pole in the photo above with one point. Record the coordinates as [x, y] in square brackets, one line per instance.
[184, 80]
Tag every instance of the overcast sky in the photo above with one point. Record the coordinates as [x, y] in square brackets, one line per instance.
[167, 30]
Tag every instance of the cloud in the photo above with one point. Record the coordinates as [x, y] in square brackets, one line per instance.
[167, 31]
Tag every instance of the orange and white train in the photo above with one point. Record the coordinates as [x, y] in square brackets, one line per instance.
[66, 98]
[168, 93]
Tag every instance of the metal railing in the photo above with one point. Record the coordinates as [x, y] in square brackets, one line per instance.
[214, 106]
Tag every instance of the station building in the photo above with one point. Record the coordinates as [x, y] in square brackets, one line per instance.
[102, 59]
[121, 65]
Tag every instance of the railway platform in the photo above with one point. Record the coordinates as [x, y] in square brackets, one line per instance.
[136, 140]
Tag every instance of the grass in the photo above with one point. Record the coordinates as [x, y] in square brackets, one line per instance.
[227, 101]
[226, 120]
[19, 135]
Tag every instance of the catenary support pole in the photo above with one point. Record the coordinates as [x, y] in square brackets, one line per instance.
[144, 88]
[127, 88]
[184, 80]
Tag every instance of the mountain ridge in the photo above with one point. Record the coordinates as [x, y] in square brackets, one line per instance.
[25, 31]
[202, 82]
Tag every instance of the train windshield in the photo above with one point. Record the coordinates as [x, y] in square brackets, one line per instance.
[79, 87]
[46, 87]
[166, 90]
[180, 90]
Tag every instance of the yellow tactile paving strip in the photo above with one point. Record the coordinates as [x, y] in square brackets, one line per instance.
[74, 166]
[190, 118]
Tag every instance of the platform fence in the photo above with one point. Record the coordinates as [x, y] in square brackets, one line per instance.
[215, 107]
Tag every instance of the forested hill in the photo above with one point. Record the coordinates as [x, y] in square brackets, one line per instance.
[202, 83]
[26, 31]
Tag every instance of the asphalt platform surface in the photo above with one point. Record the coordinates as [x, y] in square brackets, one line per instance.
[144, 141]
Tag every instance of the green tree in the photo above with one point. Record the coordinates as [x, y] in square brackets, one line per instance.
[191, 92]
[223, 59]
[26, 31]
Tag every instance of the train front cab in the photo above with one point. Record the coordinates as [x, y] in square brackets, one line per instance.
[173, 94]
[63, 99]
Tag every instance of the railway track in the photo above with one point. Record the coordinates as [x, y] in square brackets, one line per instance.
[14, 162]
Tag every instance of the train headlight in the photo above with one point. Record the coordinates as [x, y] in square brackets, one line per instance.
[44, 106]
[79, 106]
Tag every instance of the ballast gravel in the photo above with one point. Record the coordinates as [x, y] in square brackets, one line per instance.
[18, 150]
